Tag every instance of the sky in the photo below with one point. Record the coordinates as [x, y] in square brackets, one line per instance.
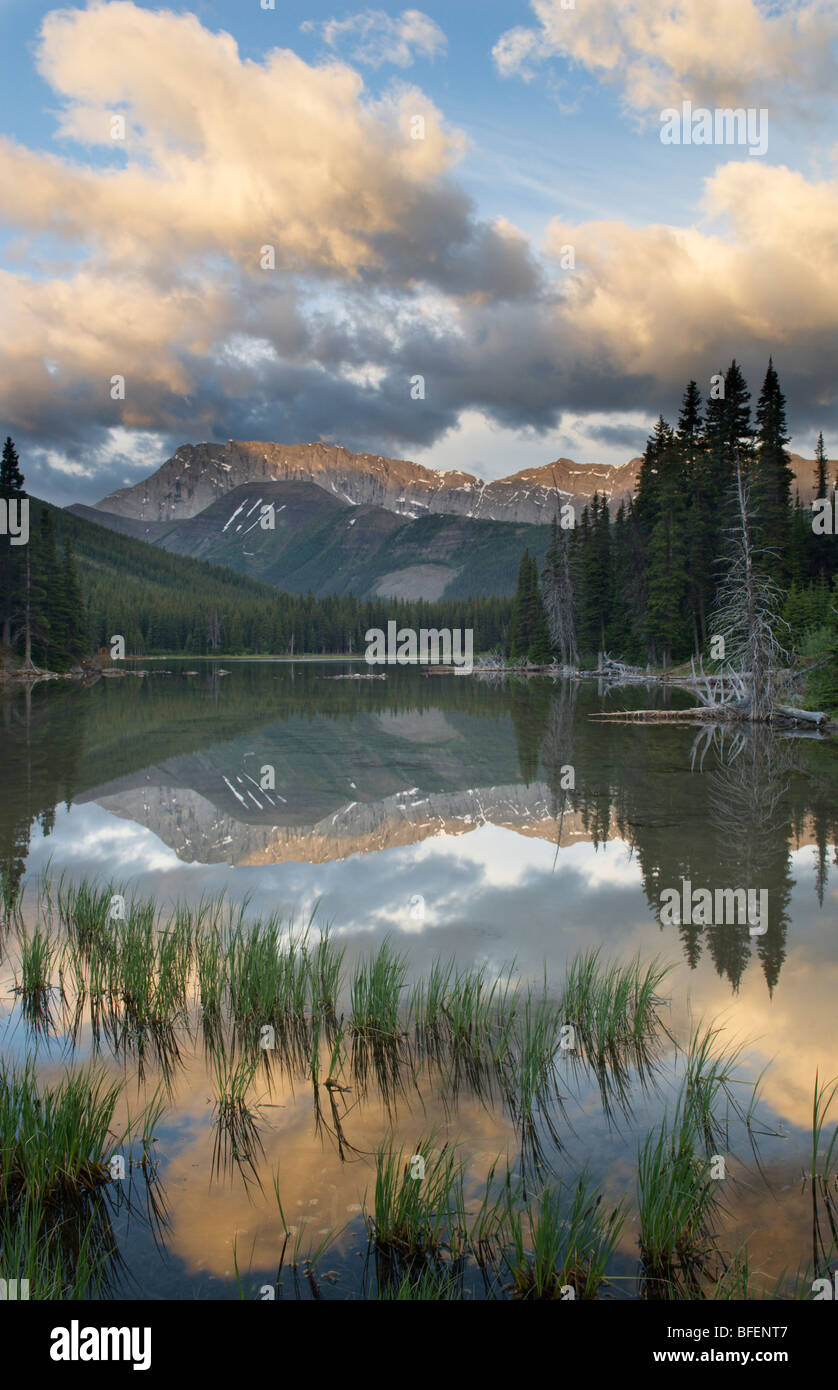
[460, 234]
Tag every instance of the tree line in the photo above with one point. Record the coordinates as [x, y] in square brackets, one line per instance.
[76, 585]
[643, 584]
[42, 612]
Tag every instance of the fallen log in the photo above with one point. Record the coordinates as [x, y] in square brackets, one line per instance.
[800, 716]
[701, 712]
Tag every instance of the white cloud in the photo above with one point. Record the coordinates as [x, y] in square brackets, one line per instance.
[657, 298]
[375, 37]
[715, 52]
[382, 270]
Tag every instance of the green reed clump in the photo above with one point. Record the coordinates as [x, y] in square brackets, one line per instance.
[38, 952]
[710, 1079]
[417, 1200]
[476, 1007]
[677, 1198]
[559, 1246]
[428, 1001]
[469, 1009]
[211, 967]
[375, 992]
[823, 1179]
[615, 1007]
[237, 1138]
[60, 1255]
[429, 1285]
[54, 1140]
[325, 973]
[83, 909]
[268, 976]
[530, 1077]
[150, 966]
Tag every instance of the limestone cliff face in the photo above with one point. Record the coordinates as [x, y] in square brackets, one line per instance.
[198, 474]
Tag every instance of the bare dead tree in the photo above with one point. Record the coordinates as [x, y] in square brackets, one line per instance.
[557, 590]
[747, 615]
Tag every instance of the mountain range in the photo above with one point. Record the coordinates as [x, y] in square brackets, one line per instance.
[358, 522]
[198, 474]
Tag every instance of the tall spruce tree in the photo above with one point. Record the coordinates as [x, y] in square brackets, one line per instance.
[12, 562]
[666, 564]
[772, 476]
[11, 478]
[821, 469]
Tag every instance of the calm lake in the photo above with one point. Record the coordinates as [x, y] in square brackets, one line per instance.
[489, 820]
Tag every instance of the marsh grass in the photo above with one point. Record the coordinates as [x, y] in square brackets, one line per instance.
[677, 1199]
[615, 1007]
[63, 1255]
[55, 1140]
[822, 1177]
[325, 970]
[38, 953]
[426, 1286]
[710, 1078]
[237, 1141]
[210, 965]
[560, 1245]
[144, 980]
[376, 988]
[268, 979]
[530, 1075]
[83, 909]
[415, 1215]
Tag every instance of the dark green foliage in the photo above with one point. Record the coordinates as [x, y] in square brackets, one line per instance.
[529, 639]
[11, 478]
[646, 581]
[88, 584]
[42, 614]
[771, 475]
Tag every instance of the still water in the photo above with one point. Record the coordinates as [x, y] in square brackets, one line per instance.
[487, 819]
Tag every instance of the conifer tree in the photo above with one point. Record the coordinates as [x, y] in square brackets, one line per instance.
[821, 469]
[667, 552]
[772, 475]
[11, 478]
[12, 566]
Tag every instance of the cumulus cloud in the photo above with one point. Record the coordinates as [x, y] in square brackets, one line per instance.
[718, 52]
[375, 37]
[657, 298]
[144, 262]
[223, 154]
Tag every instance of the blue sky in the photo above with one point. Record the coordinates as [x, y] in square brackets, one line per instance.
[544, 120]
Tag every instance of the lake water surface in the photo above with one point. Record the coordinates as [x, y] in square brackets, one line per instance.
[486, 819]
